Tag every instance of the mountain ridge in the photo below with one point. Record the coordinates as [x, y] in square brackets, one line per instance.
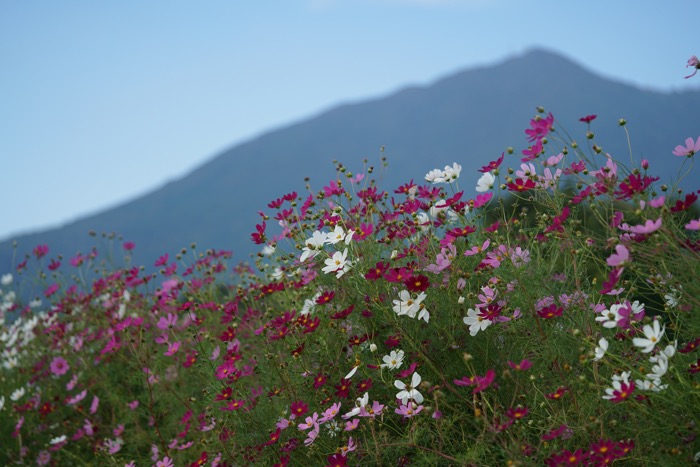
[469, 116]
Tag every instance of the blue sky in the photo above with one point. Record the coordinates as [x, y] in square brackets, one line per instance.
[101, 102]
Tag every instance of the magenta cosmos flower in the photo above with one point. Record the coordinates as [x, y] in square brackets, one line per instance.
[59, 366]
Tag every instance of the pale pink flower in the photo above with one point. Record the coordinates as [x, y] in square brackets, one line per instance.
[690, 148]
[695, 63]
[621, 256]
[167, 322]
[95, 403]
[409, 410]
[693, 225]
[648, 227]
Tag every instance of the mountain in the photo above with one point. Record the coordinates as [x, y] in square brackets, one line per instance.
[469, 117]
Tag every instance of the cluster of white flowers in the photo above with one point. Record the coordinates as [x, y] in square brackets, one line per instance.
[411, 306]
[16, 336]
[659, 362]
[448, 175]
[315, 244]
[337, 263]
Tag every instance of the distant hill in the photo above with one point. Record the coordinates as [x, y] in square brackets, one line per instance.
[469, 117]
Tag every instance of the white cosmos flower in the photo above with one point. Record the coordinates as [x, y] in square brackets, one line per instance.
[6, 279]
[2, 402]
[650, 385]
[609, 318]
[17, 394]
[659, 369]
[485, 183]
[394, 360]
[406, 304]
[435, 176]
[352, 372]
[652, 334]
[337, 263]
[359, 403]
[338, 235]
[409, 391]
[601, 349]
[58, 439]
[475, 322]
[452, 173]
[313, 245]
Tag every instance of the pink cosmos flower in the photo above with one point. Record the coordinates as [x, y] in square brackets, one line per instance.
[522, 366]
[648, 227]
[690, 148]
[167, 322]
[693, 225]
[59, 366]
[77, 398]
[621, 256]
[352, 424]
[477, 249]
[95, 403]
[166, 462]
[172, 348]
[695, 63]
[409, 410]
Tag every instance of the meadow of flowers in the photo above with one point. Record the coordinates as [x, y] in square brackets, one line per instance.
[544, 311]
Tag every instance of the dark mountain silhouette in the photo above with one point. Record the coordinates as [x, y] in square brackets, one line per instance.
[469, 117]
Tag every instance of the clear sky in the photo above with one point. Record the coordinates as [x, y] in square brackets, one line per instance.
[101, 102]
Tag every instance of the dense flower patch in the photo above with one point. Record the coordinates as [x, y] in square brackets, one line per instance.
[540, 314]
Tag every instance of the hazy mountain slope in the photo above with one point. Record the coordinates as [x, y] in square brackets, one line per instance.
[468, 117]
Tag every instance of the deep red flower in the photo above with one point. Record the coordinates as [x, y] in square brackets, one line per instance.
[558, 394]
[551, 311]
[587, 118]
[325, 297]
[517, 413]
[521, 185]
[299, 408]
[201, 461]
[635, 183]
[417, 283]
[337, 460]
[684, 205]
[343, 313]
[259, 237]
[224, 395]
[377, 272]
[397, 275]
[228, 335]
[364, 385]
[343, 389]
[319, 380]
[492, 165]
[690, 346]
